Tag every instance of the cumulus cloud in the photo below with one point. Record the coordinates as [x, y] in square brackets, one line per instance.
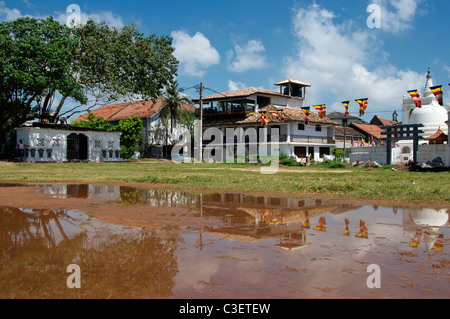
[195, 53]
[109, 17]
[344, 63]
[7, 14]
[233, 85]
[397, 15]
[247, 57]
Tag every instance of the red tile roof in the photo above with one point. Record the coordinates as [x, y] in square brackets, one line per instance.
[122, 111]
[370, 129]
[439, 135]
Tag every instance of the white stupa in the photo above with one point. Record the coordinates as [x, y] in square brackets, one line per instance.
[432, 115]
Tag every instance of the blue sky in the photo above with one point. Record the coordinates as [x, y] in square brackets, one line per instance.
[255, 43]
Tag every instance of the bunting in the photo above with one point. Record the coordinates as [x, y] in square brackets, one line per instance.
[274, 114]
[264, 118]
[437, 91]
[346, 103]
[306, 110]
[321, 109]
[363, 103]
[416, 97]
[281, 115]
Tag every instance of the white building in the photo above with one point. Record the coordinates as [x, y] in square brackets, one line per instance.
[62, 143]
[243, 109]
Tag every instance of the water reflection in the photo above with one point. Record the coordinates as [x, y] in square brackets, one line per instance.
[119, 261]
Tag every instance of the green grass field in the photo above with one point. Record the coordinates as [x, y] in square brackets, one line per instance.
[373, 183]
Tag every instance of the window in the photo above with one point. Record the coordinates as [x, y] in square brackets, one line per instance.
[318, 128]
[301, 127]
[324, 151]
[300, 151]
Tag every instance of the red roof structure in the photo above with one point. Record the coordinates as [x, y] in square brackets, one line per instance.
[122, 111]
[369, 129]
[437, 138]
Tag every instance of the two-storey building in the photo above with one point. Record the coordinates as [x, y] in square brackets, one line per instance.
[300, 134]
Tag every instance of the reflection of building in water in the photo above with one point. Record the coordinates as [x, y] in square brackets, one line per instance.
[105, 192]
[255, 218]
[426, 222]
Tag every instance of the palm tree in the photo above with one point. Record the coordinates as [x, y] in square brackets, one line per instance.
[172, 108]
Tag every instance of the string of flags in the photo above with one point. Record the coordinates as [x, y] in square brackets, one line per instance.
[363, 104]
[278, 115]
[437, 91]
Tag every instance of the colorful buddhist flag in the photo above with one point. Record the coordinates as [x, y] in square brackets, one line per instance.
[437, 91]
[274, 114]
[264, 118]
[321, 110]
[281, 115]
[416, 97]
[363, 103]
[306, 110]
[346, 103]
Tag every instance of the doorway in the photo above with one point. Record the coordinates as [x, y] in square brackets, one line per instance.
[77, 147]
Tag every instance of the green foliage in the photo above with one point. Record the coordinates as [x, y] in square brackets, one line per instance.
[338, 154]
[131, 135]
[95, 123]
[40, 59]
[287, 160]
[131, 131]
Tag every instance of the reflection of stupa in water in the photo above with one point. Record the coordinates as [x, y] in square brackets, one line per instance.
[427, 221]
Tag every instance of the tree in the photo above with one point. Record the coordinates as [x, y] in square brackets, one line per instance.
[35, 63]
[172, 110]
[131, 135]
[131, 129]
[44, 64]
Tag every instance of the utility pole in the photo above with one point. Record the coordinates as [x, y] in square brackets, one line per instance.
[200, 144]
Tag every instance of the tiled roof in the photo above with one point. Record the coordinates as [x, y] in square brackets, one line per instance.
[369, 129]
[439, 135]
[122, 111]
[292, 114]
[241, 93]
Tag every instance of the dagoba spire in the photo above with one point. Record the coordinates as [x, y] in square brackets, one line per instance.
[429, 83]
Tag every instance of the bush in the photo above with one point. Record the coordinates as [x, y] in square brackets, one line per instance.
[287, 160]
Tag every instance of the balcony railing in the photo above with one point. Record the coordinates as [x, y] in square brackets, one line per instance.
[283, 138]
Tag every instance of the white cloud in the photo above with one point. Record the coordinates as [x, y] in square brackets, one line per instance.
[194, 53]
[108, 17]
[7, 14]
[344, 63]
[397, 15]
[232, 85]
[247, 57]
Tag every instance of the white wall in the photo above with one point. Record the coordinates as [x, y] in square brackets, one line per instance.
[101, 145]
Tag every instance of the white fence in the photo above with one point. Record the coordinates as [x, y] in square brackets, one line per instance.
[425, 153]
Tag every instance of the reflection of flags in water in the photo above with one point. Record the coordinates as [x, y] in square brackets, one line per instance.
[363, 103]
[346, 231]
[437, 91]
[346, 103]
[306, 110]
[416, 240]
[322, 225]
[416, 97]
[439, 243]
[363, 231]
[264, 118]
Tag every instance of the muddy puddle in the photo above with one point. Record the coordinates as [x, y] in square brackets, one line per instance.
[152, 243]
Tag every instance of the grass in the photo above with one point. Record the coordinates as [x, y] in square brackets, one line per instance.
[372, 183]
